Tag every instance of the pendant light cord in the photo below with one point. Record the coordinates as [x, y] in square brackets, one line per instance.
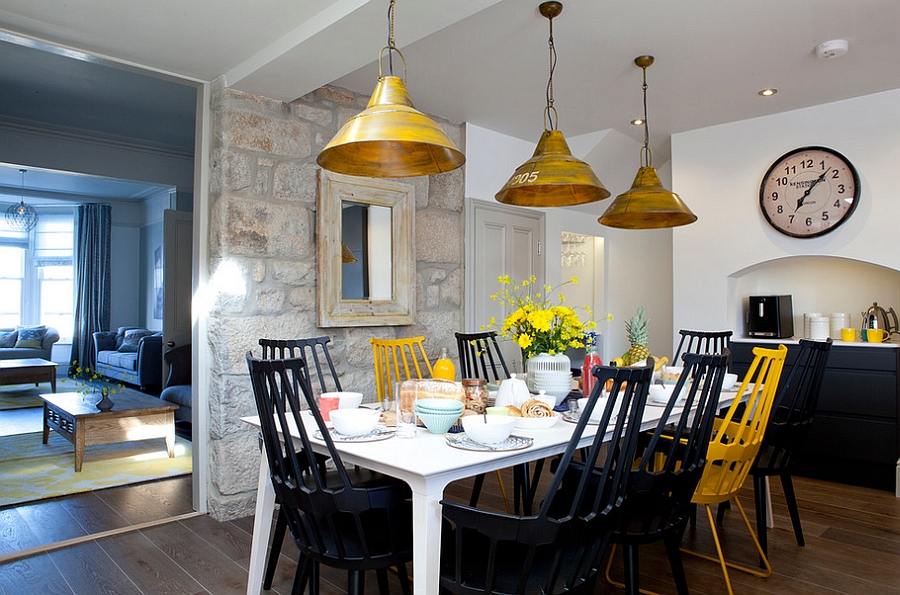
[550, 109]
[645, 150]
[391, 46]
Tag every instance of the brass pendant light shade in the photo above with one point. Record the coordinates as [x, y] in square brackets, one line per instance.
[552, 178]
[390, 139]
[647, 205]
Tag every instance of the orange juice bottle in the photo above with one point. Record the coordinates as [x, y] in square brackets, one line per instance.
[443, 367]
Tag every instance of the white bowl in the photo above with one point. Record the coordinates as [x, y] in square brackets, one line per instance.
[729, 382]
[536, 423]
[547, 399]
[660, 394]
[354, 422]
[488, 429]
[597, 413]
[348, 400]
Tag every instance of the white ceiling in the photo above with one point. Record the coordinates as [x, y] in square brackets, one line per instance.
[478, 61]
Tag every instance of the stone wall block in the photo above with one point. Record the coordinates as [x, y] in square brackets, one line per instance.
[231, 507]
[304, 298]
[438, 237]
[432, 297]
[295, 273]
[289, 232]
[235, 471]
[439, 327]
[316, 115]
[421, 184]
[452, 289]
[447, 191]
[270, 301]
[236, 401]
[233, 169]
[266, 134]
[333, 95]
[246, 230]
[295, 181]
[264, 167]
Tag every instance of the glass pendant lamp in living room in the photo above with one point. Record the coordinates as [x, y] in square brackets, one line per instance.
[553, 177]
[390, 138]
[647, 205]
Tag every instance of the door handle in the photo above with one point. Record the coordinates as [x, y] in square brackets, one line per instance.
[170, 343]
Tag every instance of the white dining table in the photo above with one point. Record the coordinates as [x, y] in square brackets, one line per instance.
[428, 464]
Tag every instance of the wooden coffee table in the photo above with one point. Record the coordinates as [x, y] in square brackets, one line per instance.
[33, 369]
[135, 416]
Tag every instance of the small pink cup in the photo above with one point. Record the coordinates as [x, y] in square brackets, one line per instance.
[327, 405]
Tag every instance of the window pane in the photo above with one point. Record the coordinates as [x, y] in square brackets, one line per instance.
[12, 262]
[10, 302]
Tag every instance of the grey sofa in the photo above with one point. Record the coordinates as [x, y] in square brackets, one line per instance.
[9, 351]
[178, 384]
[140, 364]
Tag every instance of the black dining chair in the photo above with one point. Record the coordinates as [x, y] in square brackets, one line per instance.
[480, 357]
[702, 342]
[338, 518]
[315, 350]
[663, 479]
[560, 547]
[787, 431]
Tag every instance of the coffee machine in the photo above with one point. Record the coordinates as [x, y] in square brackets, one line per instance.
[770, 316]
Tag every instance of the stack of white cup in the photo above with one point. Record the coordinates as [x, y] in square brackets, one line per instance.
[807, 318]
[839, 320]
[818, 328]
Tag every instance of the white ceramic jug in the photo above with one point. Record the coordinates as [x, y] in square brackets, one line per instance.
[512, 391]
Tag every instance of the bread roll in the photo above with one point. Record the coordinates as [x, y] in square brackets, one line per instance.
[536, 408]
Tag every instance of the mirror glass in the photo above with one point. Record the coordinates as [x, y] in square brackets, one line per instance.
[582, 256]
[364, 251]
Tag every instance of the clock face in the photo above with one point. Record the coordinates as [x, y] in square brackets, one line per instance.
[809, 192]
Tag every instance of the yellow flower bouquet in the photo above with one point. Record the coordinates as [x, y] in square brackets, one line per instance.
[534, 322]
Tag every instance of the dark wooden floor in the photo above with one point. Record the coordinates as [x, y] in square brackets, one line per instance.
[852, 535]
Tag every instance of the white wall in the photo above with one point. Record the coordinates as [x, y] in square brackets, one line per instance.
[638, 263]
[717, 170]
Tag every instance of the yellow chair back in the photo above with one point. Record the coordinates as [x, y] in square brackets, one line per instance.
[737, 437]
[396, 360]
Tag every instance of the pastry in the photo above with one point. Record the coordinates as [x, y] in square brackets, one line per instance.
[513, 411]
[536, 408]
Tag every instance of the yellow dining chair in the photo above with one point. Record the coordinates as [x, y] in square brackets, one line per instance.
[397, 360]
[733, 448]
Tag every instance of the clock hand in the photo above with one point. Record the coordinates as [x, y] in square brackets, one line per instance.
[810, 189]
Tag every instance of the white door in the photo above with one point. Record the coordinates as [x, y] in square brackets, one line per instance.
[503, 241]
[177, 275]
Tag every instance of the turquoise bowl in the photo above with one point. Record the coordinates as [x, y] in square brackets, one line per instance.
[438, 423]
[440, 405]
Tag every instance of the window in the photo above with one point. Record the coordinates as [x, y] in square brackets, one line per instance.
[37, 273]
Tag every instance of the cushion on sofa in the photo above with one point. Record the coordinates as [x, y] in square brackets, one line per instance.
[117, 359]
[8, 338]
[30, 336]
[132, 340]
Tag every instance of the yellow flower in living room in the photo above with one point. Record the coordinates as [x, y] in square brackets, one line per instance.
[535, 323]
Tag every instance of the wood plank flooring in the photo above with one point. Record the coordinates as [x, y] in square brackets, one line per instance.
[852, 536]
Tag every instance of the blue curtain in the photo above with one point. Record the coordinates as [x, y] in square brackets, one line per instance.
[92, 279]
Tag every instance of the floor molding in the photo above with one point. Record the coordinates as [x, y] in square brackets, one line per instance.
[43, 549]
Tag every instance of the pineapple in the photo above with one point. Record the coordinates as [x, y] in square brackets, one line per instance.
[636, 328]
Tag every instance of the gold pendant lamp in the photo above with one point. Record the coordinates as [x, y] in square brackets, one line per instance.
[553, 177]
[647, 205]
[390, 138]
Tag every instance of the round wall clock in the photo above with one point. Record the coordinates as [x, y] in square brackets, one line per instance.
[809, 192]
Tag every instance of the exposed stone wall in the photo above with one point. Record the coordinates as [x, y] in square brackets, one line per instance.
[263, 188]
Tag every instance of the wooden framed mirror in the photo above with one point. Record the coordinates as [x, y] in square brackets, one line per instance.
[364, 254]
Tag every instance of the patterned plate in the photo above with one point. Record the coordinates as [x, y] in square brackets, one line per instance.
[373, 436]
[572, 417]
[462, 441]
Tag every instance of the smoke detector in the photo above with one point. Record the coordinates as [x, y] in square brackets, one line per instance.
[832, 49]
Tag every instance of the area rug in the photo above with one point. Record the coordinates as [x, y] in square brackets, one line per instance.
[22, 396]
[31, 471]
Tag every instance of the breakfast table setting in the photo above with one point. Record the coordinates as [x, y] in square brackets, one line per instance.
[440, 446]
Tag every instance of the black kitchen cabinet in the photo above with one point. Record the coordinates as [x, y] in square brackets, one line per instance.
[855, 437]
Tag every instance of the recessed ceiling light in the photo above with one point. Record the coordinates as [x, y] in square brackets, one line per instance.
[768, 92]
[637, 122]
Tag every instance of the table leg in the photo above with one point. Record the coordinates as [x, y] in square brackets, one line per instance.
[53, 380]
[46, 429]
[427, 538]
[79, 444]
[262, 526]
